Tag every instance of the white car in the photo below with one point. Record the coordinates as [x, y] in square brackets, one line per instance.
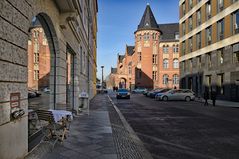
[176, 94]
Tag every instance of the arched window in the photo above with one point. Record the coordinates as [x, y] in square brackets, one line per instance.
[145, 36]
[175, 79]
[165, 63]
[130, 68]
[165, 48]
[154, 36]
[165, 79]
[139, 37]
[175, 63]
[148, 36]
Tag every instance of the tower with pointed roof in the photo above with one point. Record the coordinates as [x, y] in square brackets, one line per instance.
[146, 47]
[154, 60]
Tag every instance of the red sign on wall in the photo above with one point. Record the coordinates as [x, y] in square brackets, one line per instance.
[15, 100]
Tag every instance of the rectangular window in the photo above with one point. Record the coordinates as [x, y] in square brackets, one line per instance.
[190, 23]
[220, 29]
[154, 59]
[190, 65]
[165, 49]
[220, 5]
[184, 8]
[209, 35]
[183, 48]
[36, 57]
[190, 44]
[209, 60]
[183, 28]
[190, 4]
[175, 48]
[154, 75]
[208, 10]
[139, 56]
[198, 39]
[198, 17]
[36, 74]
[235, 20]
[199, 61]
[220, 82]
[220, 56]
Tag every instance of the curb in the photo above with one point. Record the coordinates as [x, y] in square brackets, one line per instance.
[128, 128]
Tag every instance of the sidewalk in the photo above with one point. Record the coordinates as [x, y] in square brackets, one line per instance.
[222, 103]
[101, 135]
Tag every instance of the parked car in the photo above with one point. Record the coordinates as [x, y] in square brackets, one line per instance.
[139, 90]
[46, 90]
[31, 94]
[153, 94]
[123, 93]
[149, 92]
[176, 94]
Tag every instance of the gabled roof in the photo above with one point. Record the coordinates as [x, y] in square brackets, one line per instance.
[120, 58]
[130, 50]
[168, 31]
[148, 21]
[113, 70]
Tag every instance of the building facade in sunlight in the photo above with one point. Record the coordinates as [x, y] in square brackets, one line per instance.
[209, 44]
[38, 58]
[153, 62]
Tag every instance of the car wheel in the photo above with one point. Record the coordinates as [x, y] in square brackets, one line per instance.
[187, 99]
[165, 98]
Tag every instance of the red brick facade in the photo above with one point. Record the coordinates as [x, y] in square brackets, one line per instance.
[154, 60]
[38, 60]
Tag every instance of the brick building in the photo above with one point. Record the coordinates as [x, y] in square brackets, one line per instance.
[38, 58]
[153, 62]
[209, 43]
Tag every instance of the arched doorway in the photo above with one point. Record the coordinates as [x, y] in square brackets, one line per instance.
[42, 72]
[122, 83]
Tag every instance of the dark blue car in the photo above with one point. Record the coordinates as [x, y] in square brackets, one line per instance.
[123, 93]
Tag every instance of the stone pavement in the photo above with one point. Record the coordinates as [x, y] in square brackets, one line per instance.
[91, 137]
[222, 103]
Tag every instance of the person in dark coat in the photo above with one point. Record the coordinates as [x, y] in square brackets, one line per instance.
[213, 97]
[206, 97]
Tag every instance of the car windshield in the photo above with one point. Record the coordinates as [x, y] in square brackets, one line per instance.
[122, 90]
[164, 90]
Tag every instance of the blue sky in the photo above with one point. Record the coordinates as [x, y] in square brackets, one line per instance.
[117, 21]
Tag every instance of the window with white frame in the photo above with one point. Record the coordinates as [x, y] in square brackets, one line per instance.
[154, 75]
[175, 48]
[36, 74]
[154, 59]
[175, 63]
[176, 35]
[175, 79]
[165, 79]
[165, 63]
[165, 48]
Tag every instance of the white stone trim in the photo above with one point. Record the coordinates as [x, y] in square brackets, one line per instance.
[193, 10]
[181, 1]
[228, 41]
[211, 21]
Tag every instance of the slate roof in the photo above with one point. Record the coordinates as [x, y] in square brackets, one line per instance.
[148, 21]
[130, 50]
[168, 31]
[113, 70]
[120, 58]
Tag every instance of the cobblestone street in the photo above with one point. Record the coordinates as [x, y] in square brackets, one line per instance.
[183, 130]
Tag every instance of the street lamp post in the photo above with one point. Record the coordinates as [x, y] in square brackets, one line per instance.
[102, 67]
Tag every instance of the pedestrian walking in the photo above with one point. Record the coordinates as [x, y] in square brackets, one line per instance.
[206, 97]
[213, 97]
